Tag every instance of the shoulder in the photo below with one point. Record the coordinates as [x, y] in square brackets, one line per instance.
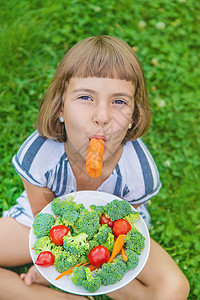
[37, 155]
[139, 172]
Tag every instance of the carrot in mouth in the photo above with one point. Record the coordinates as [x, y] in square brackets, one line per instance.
[94, 158]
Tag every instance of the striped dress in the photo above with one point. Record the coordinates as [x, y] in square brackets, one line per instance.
[44, 163]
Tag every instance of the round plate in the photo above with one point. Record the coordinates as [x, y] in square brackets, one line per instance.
[50, 273]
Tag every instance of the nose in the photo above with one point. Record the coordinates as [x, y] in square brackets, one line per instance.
[102, 115]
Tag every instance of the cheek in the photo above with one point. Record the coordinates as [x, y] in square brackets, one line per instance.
[121, 121]
[73, 118]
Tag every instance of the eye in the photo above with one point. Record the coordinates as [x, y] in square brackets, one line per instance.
[118, 101]
[85, 98]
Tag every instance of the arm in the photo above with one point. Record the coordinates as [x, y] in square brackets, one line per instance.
[38, 197]
[136, 206]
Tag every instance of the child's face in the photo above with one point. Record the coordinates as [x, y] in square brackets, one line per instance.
[97, 107]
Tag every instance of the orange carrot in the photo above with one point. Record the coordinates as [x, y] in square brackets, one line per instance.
[123, 253]
[94, 158]
[118, 245]
[91, 267]
[69, 271]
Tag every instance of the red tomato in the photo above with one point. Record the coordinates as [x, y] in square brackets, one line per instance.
[106, 220]
[121, 226]
[98, 256]
[57, 232]
[45, 259]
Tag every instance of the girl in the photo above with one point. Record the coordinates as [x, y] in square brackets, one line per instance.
[98, 91]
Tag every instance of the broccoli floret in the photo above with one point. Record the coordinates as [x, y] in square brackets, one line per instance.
[78, 275]
[98, 208]
[131, 218]
[77, 245]
[109, 243]
[121, 264]
[57, 250]
[133, 259]
[43, 244]
[60, 207]
[110, 273]
[70, 217]
[102, 235]
[92, 282]
[117, 209]
[134, 241]
[84, 277]
[83, 258]
[92, 244]
[42, 224]
[58, 221]
[88, 222]
[64, 261]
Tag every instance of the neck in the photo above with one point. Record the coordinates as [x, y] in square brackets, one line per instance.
[78, 165]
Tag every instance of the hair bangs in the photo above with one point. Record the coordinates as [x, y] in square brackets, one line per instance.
[98, 58]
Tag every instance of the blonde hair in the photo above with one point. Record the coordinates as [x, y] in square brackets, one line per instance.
[99, 56]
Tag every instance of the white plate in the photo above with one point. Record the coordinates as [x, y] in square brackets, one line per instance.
[50, 273]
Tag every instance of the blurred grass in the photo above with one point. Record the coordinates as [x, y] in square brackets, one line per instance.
[165, 35]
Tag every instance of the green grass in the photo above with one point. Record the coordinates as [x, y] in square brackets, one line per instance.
[34, 38]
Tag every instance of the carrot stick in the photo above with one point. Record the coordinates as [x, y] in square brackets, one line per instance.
[85, 264]
[118, 245]
[69, 271]
[123, 253]
[94, 158]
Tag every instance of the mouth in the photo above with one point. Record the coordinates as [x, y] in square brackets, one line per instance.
[100, 137]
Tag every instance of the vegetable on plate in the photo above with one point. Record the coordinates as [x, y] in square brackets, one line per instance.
[93, 246]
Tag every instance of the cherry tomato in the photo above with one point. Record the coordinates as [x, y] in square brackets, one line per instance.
[106, 220]
[121, 226]
[57, 232]
[98, 256]
[45, 259]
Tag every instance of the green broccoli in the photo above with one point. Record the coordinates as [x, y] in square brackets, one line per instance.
[102, 235]
[133, 259]
[134, 241]
[92, 282]
[110, 273]
[57, 250]
[59, 207]
[98, 208]
[83, 258]
[92, 244]
[58, 221]
[78, 275]
[87, 222]
[117, 209]
[131, 218]
[42, 224]
[64, 261]
[77, 245]
[70, 217]
[109, 243]
[43, 244]
[121, 264]
[84, 277]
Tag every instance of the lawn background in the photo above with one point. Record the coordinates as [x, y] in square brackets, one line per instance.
[165, 36]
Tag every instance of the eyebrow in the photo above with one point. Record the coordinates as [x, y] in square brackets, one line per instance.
[92, 91]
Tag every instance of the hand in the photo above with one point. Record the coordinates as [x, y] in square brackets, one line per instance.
[34, 276]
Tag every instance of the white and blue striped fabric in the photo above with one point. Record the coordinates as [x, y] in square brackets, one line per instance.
[43, 162]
